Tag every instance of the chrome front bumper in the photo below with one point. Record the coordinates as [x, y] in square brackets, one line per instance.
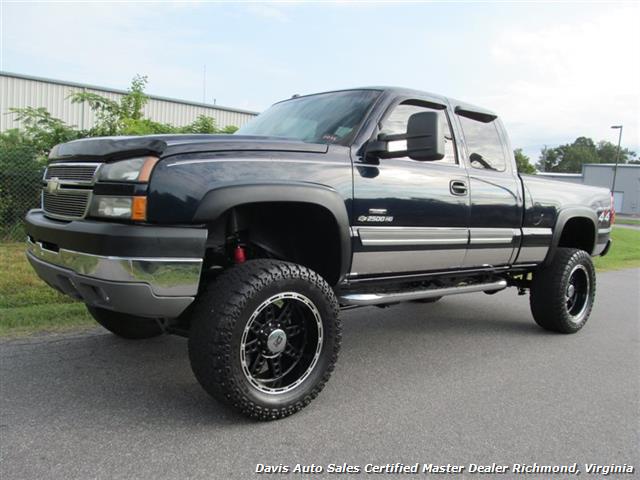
[149, 287]
[165, 276]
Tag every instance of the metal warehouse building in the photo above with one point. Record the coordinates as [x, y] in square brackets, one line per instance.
[19, 91]
[627, 189]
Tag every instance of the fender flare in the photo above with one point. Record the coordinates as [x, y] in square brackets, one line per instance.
[563, 217]
[219, 200]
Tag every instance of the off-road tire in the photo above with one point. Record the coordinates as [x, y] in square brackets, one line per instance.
[126, 326]
[548, 296]
[219, 317]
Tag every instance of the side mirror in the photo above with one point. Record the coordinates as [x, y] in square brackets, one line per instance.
[424, 140]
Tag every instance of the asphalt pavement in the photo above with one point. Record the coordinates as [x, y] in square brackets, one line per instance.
[470, 379]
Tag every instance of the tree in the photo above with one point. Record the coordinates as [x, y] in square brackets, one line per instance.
[569, 158]
[229, 129]
[42, 129]
[124, 117]
[523, 162]
[121, 118]
[549, 159]
[202, 124]
[607, 152]
[582, 150]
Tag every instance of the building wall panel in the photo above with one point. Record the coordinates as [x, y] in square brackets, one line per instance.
[20, 91]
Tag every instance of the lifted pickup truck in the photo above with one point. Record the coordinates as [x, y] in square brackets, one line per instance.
[250, 244]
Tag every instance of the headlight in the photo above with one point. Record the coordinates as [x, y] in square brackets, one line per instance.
[131, 170]
[115, 207]
[126, 208]
[123, 207]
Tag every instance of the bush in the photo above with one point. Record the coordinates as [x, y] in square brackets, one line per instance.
[20, 181]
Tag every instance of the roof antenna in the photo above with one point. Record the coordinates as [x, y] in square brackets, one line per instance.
[295, 95]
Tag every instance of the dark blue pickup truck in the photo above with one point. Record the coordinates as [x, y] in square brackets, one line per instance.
[250, 244]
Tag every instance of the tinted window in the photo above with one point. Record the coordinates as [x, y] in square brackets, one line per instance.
[325, 118]
[484, 144]
[396, 123]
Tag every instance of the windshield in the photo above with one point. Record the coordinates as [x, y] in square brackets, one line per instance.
[324, 118]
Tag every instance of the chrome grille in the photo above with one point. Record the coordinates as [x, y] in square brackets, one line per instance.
[66, 203]
[78, 172]
[63, 195]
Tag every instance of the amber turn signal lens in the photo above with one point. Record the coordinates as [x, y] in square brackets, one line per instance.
[147, 168]
[139, 209]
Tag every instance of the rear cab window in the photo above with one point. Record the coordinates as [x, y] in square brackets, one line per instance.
[484, 143]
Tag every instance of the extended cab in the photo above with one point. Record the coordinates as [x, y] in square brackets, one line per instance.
[250, 244]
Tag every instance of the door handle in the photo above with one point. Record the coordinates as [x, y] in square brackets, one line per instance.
[458, 187]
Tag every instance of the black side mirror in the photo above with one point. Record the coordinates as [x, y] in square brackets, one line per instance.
[423, 141]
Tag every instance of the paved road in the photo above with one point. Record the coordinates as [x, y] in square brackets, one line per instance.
[469, 379]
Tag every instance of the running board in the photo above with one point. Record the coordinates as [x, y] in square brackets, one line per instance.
[361, 299]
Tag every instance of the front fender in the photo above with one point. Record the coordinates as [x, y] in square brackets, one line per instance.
[219, 200]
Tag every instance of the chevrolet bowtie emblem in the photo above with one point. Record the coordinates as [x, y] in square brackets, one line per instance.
[53, 186]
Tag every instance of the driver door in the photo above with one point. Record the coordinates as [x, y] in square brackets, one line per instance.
[410, 216]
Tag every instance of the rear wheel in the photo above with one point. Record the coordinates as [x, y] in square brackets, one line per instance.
[265, 337]
[124, 325]
[562, 293]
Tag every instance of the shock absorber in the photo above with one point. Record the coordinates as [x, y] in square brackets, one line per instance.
[239, 254]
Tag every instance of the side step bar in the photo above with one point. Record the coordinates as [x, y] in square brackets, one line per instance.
[361, 299]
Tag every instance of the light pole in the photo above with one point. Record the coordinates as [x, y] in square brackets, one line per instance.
[615, 170]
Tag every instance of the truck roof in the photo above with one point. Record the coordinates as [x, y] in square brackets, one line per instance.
[457, 105]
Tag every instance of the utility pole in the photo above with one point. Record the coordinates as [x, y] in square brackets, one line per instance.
[204, 84]
[615, 169]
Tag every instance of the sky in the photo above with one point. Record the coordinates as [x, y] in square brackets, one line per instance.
[552, 70]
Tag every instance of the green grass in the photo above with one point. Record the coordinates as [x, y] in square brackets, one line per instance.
[28, 305]
[628, 221]
[55, 317]
[624, 253]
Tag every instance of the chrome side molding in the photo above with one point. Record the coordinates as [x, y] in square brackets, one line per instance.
[398, 236]
[535, 244]
[361, 299]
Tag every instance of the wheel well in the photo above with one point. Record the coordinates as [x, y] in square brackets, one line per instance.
[578, 232]
[303, 233]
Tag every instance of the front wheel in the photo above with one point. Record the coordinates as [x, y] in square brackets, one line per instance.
[562, 293]
[265, 337]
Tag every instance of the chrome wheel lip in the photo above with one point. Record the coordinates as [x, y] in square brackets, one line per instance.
[579, 316]
[243, 360]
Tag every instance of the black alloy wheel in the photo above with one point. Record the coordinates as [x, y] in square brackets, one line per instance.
[563, 292]
[265, 337]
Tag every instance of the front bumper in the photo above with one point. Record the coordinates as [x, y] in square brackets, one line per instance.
[156, 284]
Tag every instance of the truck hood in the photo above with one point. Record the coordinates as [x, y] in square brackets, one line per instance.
[113, 148]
